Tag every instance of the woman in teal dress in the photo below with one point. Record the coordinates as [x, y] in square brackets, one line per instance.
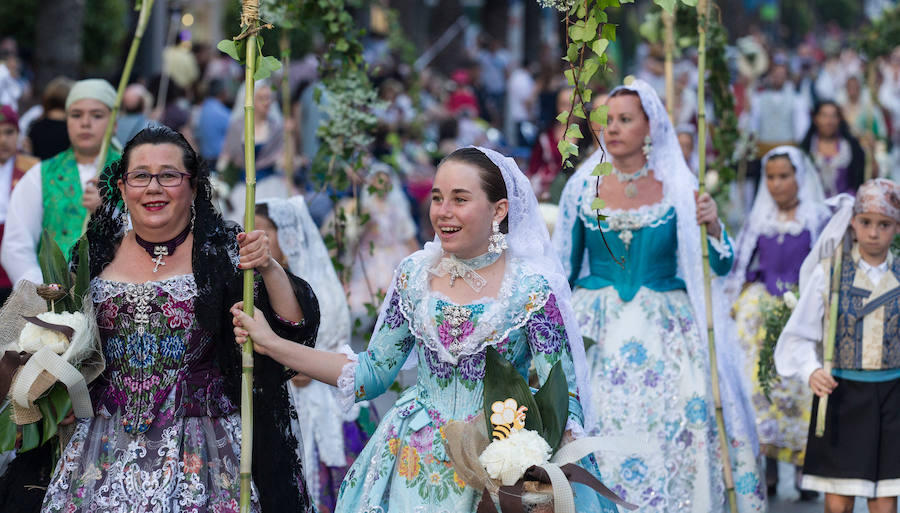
[490, 278]
[640, 299]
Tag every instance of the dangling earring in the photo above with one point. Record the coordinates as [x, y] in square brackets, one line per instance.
[497, 239]
[123, 216]
[193, 216]
[647, 148]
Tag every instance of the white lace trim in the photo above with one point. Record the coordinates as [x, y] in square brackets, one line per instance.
[511, 309]
[181, 287]
[721, 244]
[783, 227]
[631, 219]
[346, 383]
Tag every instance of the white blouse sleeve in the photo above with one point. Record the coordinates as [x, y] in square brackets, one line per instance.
[18, 252]
[796, 352]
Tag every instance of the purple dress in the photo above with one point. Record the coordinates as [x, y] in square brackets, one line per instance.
[782, 419]
[165, 437]
[777, 261]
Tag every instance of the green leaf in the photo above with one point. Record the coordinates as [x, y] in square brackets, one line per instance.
[552, 400]
[572, 52]
[602, 169]
[579, 111]
[7, 429]
[55, 269]
[689, 3]
[502, 381]
[48, 424]
[608, 32]
[231, 48]
[82, 274]
[342, 45]
[570, 76]
[589, 69]
[599, 46]
[31, 438]
[600, 115]
[588, 342]
[573, 132]
[597, 204]
[266, 66]
[563, 116]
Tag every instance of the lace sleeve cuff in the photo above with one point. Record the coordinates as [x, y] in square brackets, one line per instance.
[346, 382]
[575, 428]
[721, 244]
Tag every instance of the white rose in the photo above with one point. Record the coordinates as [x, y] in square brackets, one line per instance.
[712, 179]
[508, 459]
[33, 337]
[790, 300]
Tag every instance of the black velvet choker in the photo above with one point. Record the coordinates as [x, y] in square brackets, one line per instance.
[158, 250]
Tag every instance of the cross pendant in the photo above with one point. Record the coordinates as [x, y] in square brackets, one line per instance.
[158, 261]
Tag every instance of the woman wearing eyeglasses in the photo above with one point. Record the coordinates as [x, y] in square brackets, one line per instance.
[166, 434]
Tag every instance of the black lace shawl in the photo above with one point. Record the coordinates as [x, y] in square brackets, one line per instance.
[277, 471]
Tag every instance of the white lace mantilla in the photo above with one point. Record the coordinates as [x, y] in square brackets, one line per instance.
[518, 298]
[181, 287]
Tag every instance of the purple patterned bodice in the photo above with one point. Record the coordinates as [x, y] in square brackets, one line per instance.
[777, 261]
[155, 350]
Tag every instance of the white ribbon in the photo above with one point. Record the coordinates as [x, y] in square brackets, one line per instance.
[46, 360]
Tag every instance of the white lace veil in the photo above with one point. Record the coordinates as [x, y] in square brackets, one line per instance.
[308, 258]
[319, 413]
[528, 240]
[811, 213]
[679, 184]
[831, 235]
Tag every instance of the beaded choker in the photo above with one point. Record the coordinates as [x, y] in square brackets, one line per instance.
[158, 250]
[465, 269]
[631, 190]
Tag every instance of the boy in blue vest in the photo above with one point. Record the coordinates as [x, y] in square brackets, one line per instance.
[859, 454]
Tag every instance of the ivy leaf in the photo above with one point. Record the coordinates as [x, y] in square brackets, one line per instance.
[602, 169]
[231, 48]
[573, 132]
[599, 46]
[579, 111]
[266, 66]
[597, 204]
[570, 76]
[572, 52]
[608, 32]
[689, 3]
[600, 115]
[342, 45]
[589, 69]
[563, 116]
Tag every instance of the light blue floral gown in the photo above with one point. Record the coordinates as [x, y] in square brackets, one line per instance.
[649, 368]
[404, 467]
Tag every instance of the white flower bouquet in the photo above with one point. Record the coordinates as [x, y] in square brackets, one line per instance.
[49, 351]
[523, 466]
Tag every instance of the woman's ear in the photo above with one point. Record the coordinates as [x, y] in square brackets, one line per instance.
[501, 208]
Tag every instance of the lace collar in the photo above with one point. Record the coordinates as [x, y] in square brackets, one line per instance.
[181, 287]
[522, 292]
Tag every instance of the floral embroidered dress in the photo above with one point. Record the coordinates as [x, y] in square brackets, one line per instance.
[165, 437]
[783, 422]
[649, 368]
[404, 467]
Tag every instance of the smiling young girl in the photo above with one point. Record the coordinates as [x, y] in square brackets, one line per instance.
[788, 214]
[490, 278]
[858, 456]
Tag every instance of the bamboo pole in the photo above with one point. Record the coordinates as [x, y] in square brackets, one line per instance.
[143, 18]
[249, 22]
[289, 134]
[668, 19]
[830, 332]
[703, 17]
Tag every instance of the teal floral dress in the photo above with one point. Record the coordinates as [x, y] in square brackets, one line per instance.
[405, 467]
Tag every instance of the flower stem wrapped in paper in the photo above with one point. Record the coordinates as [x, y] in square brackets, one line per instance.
[523, 465]
[49, 351]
